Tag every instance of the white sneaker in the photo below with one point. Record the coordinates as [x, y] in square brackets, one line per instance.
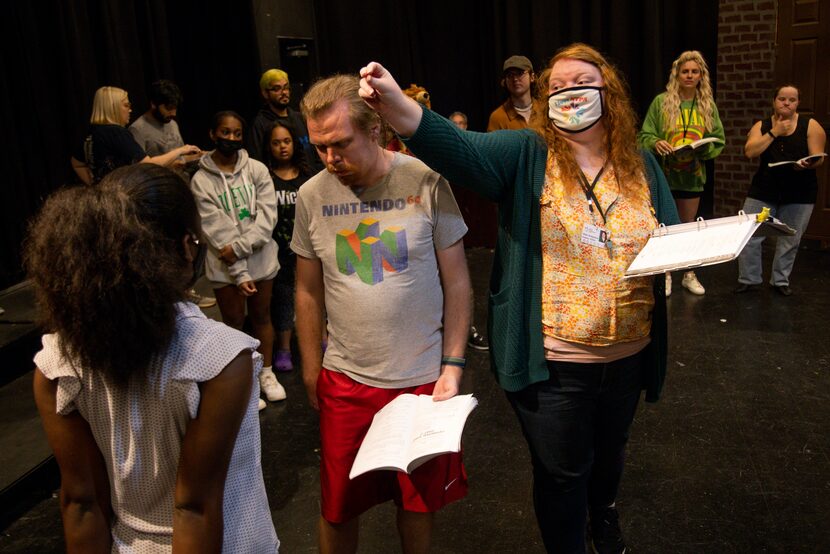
[262, 404]
[668, 285]
[271, 387]
[199, 300]
[691, 284]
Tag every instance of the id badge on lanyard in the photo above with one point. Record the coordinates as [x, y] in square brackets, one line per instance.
[595, 236]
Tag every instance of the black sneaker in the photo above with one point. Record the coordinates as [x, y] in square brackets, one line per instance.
[477, 341]
[604, 530]
[784, 289]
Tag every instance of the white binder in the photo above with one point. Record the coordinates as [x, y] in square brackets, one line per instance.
[702, 242]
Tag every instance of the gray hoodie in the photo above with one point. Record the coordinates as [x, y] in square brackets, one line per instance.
[239, 209]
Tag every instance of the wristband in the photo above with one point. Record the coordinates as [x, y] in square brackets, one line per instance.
[454, 361]
[770, 134]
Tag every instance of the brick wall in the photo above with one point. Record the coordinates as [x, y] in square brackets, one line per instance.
[746, 59]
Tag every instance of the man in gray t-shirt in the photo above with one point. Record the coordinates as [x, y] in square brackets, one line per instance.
[379, 250]
[157, 132]
[379, 253]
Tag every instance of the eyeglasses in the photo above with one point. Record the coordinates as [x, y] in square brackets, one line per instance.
[278, 88]
[515, 74]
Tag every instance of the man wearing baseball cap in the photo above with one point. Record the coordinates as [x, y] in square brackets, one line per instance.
[517, 78]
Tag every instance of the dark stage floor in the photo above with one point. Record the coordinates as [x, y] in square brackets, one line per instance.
[735, 457]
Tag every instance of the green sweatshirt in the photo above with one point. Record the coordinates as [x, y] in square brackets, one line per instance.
[508, 167]
[684, 171]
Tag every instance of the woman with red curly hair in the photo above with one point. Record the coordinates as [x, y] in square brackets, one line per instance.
[573, 342]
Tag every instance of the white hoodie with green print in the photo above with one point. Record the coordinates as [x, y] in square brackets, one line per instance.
[240, 209]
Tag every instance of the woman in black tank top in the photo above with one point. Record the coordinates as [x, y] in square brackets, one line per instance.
[788, 189]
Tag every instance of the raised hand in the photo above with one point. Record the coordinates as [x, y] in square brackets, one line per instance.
[377, 86]
[381, 92]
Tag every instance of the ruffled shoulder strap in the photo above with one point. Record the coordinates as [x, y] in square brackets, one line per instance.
[54, 365]
[201, 348]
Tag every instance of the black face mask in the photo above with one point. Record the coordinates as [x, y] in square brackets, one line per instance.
[228, 147]
[198, 262]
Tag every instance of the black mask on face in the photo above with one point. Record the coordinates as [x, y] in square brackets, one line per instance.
[198, 262]
[228, 147]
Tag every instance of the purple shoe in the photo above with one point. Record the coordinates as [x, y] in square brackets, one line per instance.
[282, 361]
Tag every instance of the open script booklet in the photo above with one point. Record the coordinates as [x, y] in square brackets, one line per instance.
[700, 243]
[696, 144]
[806, 159]
[411, 430]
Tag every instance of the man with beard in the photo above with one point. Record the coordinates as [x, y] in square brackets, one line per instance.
[157, 132]
[276, 92]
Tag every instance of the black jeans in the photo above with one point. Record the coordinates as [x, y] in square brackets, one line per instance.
[577, 425]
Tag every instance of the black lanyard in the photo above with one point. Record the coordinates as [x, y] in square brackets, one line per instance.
[590, 196]
[687, 120]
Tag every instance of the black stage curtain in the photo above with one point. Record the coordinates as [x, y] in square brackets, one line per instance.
[56, 54]
[455, 48]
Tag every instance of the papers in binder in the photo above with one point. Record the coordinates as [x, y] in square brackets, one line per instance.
[700, 243]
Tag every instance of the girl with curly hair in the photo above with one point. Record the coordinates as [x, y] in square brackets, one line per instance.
[149, 407]
[683, 114]
[572, 341]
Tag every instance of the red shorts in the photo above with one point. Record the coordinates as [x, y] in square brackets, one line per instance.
[346, 411]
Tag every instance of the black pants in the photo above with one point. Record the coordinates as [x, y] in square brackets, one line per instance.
[577, 425]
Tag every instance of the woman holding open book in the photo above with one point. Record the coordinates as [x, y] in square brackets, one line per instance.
[791, 147]
[572, 342]
[683, 127]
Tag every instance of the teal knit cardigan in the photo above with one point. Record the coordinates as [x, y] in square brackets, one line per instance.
[508, 167]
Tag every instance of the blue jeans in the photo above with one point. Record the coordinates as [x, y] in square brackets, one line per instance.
[577, 425]
[797, 216]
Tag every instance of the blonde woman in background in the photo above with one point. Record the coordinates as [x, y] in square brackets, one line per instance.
[683, 114]
[109, 144]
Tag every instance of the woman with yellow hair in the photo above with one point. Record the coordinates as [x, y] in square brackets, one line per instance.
[109, 144]
[683, 114]
[572, 341]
